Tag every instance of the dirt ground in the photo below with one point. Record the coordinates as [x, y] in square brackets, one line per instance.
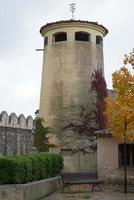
[84, 192]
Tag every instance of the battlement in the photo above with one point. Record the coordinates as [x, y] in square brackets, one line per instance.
[16, 122]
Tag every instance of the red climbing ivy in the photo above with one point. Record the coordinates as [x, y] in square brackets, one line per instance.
[98, 84]
[92, 120]
[85, 126]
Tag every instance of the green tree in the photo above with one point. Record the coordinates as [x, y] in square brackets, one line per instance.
[41, 141]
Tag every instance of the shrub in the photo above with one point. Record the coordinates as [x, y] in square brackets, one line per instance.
[28, 168]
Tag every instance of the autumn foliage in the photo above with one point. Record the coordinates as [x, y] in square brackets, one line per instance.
[120, 110]
[98, 85]
[94, 119]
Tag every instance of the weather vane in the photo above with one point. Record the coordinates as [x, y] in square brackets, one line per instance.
[72, 9]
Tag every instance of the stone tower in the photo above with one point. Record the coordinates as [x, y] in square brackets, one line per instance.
[73, 50]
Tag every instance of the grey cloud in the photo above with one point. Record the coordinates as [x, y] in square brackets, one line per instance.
[20, 22]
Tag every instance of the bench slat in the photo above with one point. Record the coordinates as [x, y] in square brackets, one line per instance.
[69, 178]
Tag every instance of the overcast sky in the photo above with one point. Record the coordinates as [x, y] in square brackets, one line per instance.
[21, 65]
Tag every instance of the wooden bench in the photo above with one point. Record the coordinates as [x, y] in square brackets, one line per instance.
[71, 178]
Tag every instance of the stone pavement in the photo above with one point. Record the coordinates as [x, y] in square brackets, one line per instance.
[91, 196]
[106, 194]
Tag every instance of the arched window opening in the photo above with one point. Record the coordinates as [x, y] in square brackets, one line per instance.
[99, 40]
[46, 41]
[60, 37]
[82, 36]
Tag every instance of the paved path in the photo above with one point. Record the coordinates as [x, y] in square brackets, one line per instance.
[91, 196]
[106, 194]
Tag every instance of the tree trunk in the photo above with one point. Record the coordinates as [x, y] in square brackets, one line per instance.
[125, 160]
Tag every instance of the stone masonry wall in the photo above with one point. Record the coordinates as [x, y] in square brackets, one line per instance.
[113, 176]
[16, 134]
[108, 167]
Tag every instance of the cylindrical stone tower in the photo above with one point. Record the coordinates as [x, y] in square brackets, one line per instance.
[73, 50]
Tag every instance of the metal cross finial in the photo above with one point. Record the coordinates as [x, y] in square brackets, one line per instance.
[72, 9]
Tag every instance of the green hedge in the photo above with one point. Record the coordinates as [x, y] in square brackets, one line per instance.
[28, 168]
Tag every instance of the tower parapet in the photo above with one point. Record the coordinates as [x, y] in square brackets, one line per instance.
[68, 23]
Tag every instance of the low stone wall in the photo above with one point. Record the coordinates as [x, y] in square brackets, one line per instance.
[30, 191]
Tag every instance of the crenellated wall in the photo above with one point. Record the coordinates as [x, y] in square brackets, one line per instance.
[16, 134]
[16, 122]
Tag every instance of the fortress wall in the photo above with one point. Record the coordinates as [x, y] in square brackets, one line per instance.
[16, 134]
